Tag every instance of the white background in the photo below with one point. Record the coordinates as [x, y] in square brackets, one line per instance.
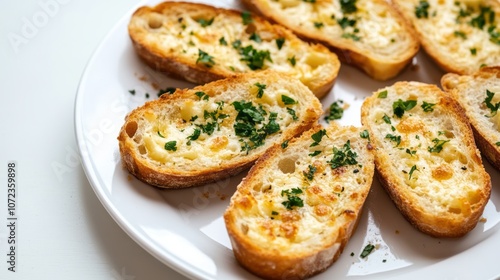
[63, 230]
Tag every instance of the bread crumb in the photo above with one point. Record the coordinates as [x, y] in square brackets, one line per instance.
[397, 231]
[206, 194]
[482, 220]
[130, 177]
[221, 195]
[155, 86]
[143, 78]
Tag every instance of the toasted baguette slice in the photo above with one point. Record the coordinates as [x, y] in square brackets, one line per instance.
[369, 34]
[201, 44]
[471, 91]
[456, 34]
[201, 135]
[292, 215]
[426, 157]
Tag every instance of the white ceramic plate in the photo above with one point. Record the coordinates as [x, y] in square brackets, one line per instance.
[184, 228]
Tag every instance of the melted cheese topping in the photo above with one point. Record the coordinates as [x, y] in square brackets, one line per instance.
[453, 36]
[183, 37]
[442, 180]
[377, 29]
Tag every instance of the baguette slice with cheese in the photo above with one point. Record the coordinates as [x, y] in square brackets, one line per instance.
[292, 215]
[200, 135]
[460, 36]
[201, 43]
[426, 157]
[369, 34]
[479, 95]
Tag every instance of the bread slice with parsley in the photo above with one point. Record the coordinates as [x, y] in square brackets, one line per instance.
[460, 36]
[479, 95]
[294, 212]
[200, 43]
[200, 135]
[369, 34]
[426, 157]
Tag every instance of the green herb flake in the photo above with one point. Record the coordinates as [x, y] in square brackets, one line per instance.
[315, 153]
[171, 146]
[410, 152]
[473, 51]
[246, 17]
[194, 136]
[335, 111]
[205, 59]
[316, 137]
[346, 22]
[255, 37]
[367, 250]
[382, 94]
[493, 107]
[348, 6]
[428, 107]
[399, 107]
[284, 145]
[460, 34]
[352, 36]
[292, 113]
[132, 91]
[318, 24]
[260, 89]
[280, 42]
[422, 9]
[201, 95]
[204, 23]
[386, 119]
[288, 100]
[159, 134]
[438, 145]
[169, 90]
[497, 143]
[309, 1]
[310, 172]
[292, 60]
[274, 213]
[293, 199]
[222, 41]
[394, 138]
[413, 168]
[254, 58]
[343, 156]
[365, 134]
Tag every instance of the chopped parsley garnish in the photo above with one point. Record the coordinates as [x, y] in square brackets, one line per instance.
[246, 17]
[386, 119]
[460, 34]
[497, 143]
[293, 199]
[132, 91]
[222, 41]
[261, 88]
[367, 250]
[205, 59]
[399, 107]
[272, 126]
[255, 37]
[280, 42]
[486, 15]
[335, 111]
[352, 36]
[169, 90]
[204, 23]
[310, 172]
[493, 107]
[292, 113]
[413, 168]
[348, 6]
[292, 60]
[159, 134]
[285, 144]
[410, 152]
[422, 10]
[344, 156]
[274, 213]
[473, 51]
[346, 22]
[288, 100]
[316, 137]
[315, 153]
[428, 107]
[309, 1]
[394, 138]
[254, 58]
[194, 136]
[382, 94]
[236, 44]
[171, 146]
[201, 95]
[364, 134]
[438, 145]
[318, 24]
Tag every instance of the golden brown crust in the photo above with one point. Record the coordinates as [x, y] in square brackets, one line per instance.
[154, 172]
[171, 61]
[445, 218]
[266, 258]
[379, 68]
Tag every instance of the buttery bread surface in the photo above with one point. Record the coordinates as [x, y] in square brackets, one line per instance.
[294, 212]
[426, 157]
[200, 43]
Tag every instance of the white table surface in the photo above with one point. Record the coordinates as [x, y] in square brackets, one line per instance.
[63, 231]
